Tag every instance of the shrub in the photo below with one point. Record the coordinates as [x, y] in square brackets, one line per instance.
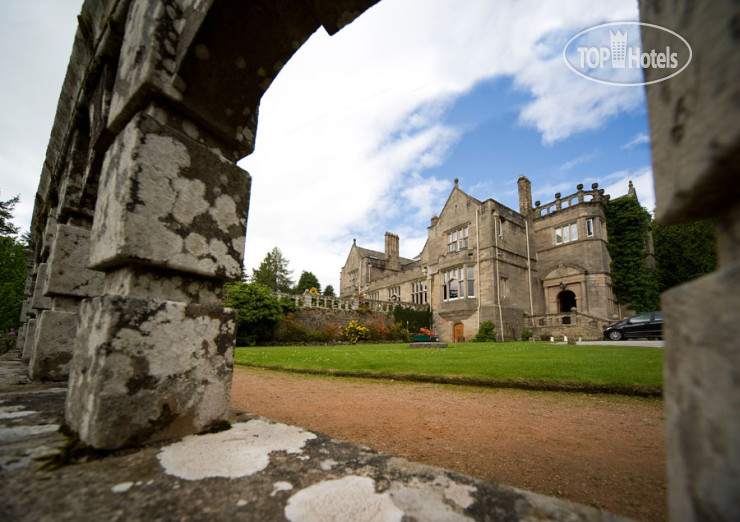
[526, 335]
[412, 319]
[398, 332]
[378, 331]
[486, 332]
[355, 332]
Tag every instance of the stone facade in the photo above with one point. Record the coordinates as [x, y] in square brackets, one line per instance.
[544, 268]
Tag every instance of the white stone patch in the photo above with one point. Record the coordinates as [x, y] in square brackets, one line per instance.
[123, 487]
[460, 494]
[14, 412]
[277, 487]
[241, 503]
[327, 464]
[17, 433]
[348, 498]
[239, 452]
[431, 502]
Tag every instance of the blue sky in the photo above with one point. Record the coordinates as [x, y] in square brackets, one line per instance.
[363, 132]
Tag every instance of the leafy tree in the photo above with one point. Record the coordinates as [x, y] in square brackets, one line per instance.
[684, 252]
[307, 281]
[7, 229]
[273, 272]
[486, 333]
[329, 291]
[632, 280]
[259, 310]
[13, 270]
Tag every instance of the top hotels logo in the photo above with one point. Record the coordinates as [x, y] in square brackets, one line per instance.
[612, 54]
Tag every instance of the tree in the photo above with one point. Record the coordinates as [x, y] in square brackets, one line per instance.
[307, 281]
[259, 310]
[13, 273]
[628, 228]
[329, 291]
[273, 272]
[684, 252]
[7, 229]
[13, 270]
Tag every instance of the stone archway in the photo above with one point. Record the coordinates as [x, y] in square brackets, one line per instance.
[141, 211]
[566, 301]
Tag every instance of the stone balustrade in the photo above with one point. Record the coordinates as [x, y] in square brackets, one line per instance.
[346, 303]
[581, 196]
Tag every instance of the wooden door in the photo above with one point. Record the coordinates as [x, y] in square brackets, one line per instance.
[459, 333]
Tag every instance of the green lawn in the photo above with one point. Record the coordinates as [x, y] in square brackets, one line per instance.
[611, 369]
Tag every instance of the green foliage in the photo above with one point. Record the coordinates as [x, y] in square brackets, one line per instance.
[632, 281]
[329, 291]
[259, 310]
[684, 252]
[273, 272]
[355, 332]
[486, 333]
[526, 335]
[8, 229]
[13, 270]
[307, 281]
[412, 319]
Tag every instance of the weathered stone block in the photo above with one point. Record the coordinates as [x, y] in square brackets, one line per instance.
[55, 334]
[67, 273]
[694, 131]
[39, 302]
[702, 397]
[167, 201]
[29, 342]
[148, 369]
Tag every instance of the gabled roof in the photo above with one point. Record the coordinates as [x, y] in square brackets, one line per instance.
[458, 189]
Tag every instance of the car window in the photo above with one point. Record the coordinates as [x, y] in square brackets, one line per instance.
[658, 316]
[640, 318]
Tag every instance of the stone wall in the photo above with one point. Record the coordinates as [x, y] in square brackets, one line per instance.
[695, 136]
[320, 318]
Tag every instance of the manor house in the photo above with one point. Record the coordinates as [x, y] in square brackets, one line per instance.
[544, 268]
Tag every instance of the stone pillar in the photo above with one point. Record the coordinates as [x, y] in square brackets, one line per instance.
[67, 281]
[695, 136]
[38, 303]
[154, 353]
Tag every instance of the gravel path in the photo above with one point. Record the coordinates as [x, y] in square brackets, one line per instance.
[607, 451]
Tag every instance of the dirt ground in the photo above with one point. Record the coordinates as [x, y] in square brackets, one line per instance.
[603, 450]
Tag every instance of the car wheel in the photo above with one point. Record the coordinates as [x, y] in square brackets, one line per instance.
[615, 335]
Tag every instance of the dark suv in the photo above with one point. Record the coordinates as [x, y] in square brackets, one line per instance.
[648, 324]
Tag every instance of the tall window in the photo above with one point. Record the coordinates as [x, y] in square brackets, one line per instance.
[394, 293]
[458, 283]
[590, 227]
[457, 240]
[504, 287]
[566, 234]
[419, 292]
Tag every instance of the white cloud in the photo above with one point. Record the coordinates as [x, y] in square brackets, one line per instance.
[584, 158]
[637, 140]
[642, 180]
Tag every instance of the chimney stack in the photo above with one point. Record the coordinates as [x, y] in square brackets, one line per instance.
[392, 257]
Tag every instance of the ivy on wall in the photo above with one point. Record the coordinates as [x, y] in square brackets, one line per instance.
[633, 281]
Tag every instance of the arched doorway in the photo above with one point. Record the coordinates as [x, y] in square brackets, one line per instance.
[458, 333]
[566, 301]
